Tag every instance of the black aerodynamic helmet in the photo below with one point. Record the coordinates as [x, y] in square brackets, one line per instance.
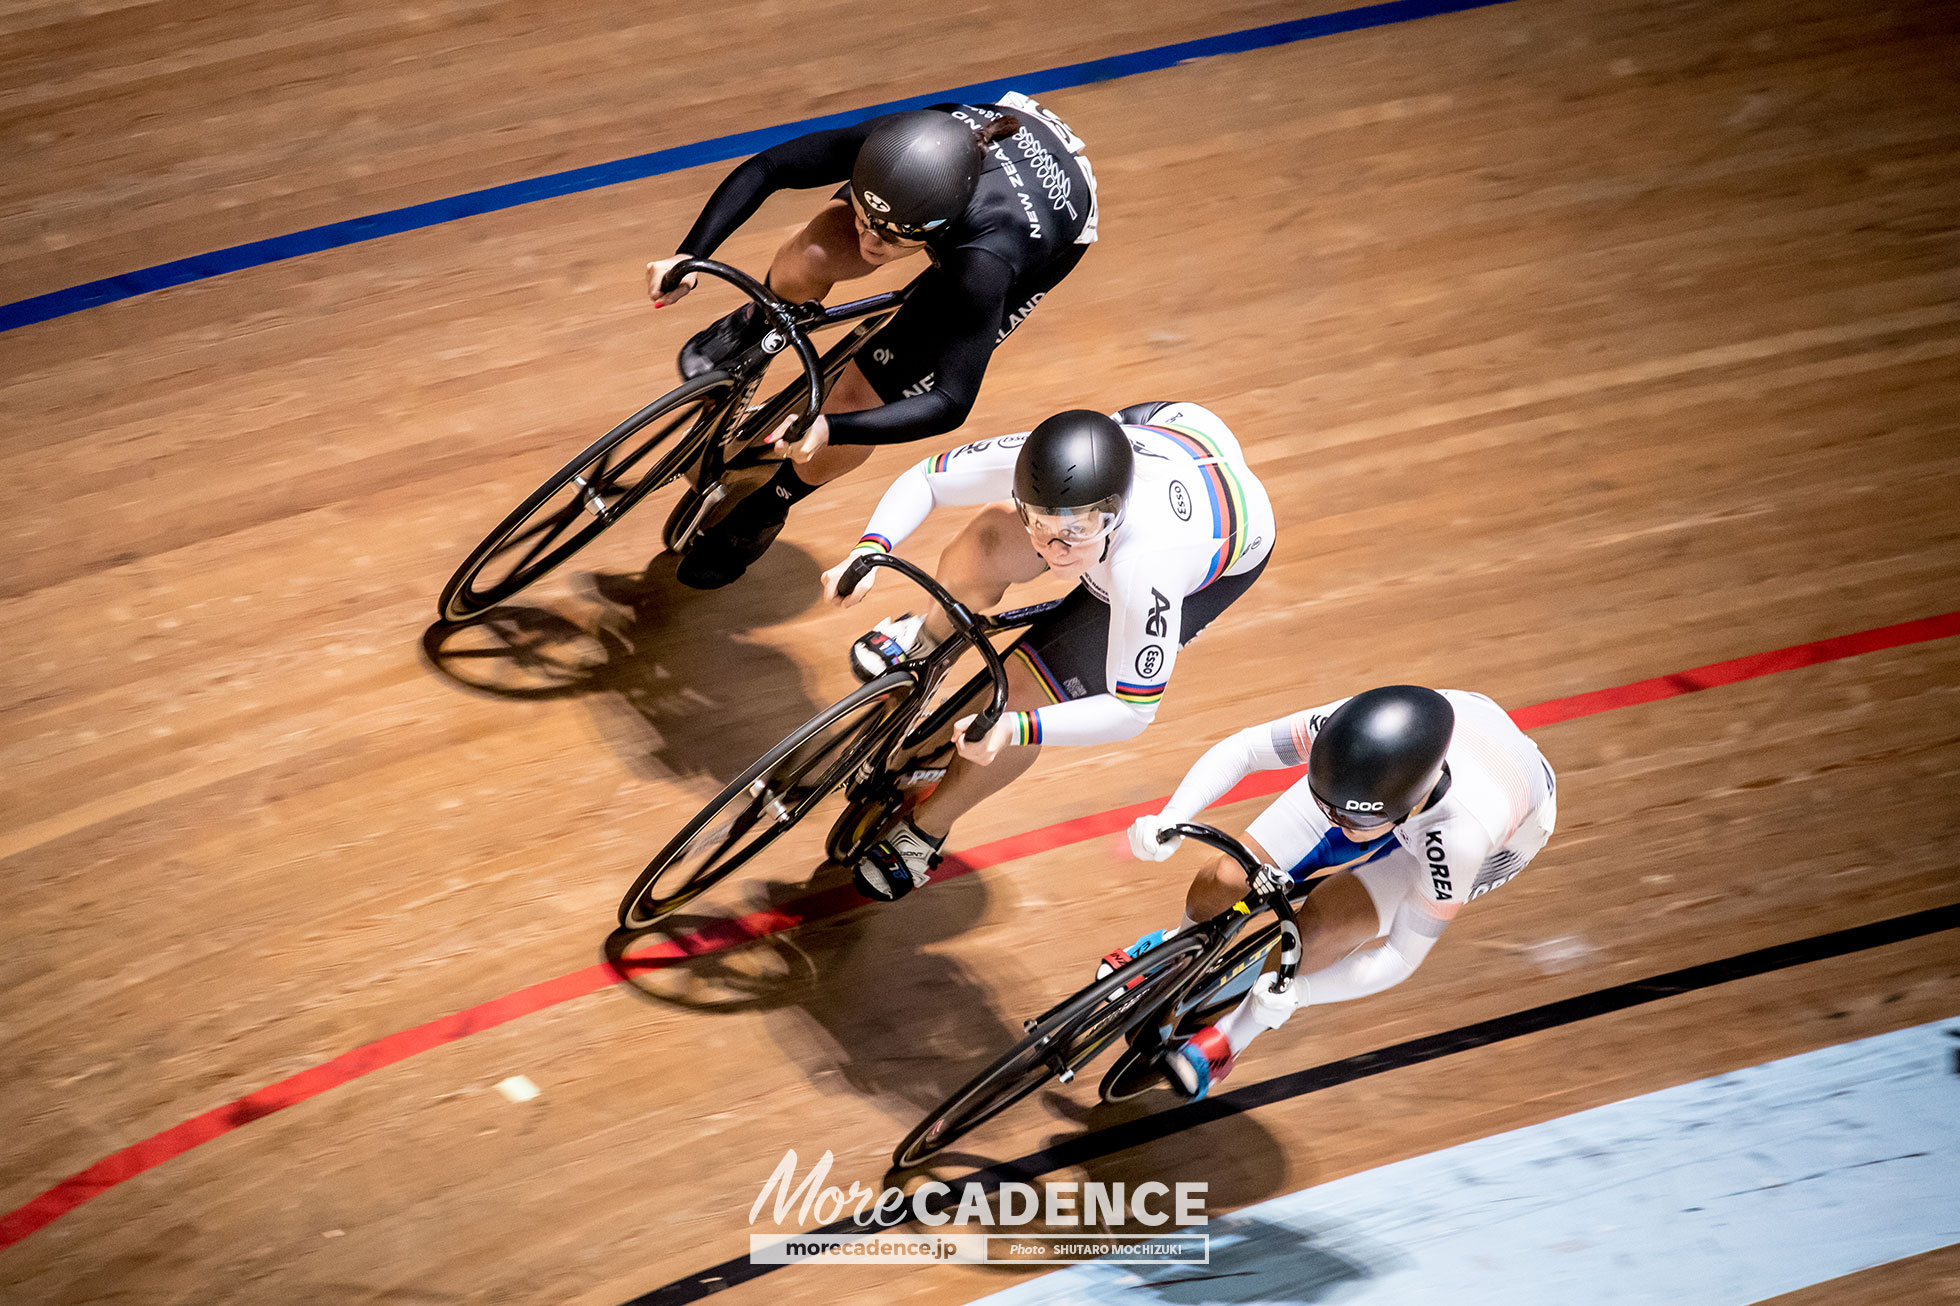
[1076, 466]
[915, 173]
[1379, 754]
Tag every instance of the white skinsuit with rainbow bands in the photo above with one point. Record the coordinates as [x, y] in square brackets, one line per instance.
[1195, 514]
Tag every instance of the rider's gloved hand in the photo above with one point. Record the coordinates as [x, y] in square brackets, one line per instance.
[657, 272]
[1271, 1009]
[1144, 842]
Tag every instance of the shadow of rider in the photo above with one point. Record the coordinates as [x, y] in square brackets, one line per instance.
[677, 684]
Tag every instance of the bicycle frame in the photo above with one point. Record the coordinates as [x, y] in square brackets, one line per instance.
[1139, 1002]
[870, 314]
[738, 430]
[1275, 892]
[967, 630]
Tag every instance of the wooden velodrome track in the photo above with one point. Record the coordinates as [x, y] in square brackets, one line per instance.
[1578, 344]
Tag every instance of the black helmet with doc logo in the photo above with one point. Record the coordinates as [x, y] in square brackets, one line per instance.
[1379, 755]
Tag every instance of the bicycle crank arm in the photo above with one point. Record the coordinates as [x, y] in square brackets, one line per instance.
[685, 535]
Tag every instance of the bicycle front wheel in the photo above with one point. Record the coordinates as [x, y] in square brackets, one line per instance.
[587, 495]
[771, 796]
[1059, 1042]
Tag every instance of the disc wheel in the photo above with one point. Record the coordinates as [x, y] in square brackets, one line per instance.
[771, 796]
[1208, 1000]
[1131, 1074]
[587, 495]
[859, 824]
[1059, 1042]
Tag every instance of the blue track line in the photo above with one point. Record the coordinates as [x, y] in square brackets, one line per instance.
[258, 253]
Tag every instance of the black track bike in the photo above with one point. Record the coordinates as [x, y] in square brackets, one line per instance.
[1167, 994]
[880, 744]
[700, 431]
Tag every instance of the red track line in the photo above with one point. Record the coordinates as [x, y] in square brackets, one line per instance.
[175, 1141]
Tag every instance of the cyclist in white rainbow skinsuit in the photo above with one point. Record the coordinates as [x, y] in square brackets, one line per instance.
[1160, 519]
[1418, 800]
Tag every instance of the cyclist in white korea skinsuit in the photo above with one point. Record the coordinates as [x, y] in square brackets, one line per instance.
[1418, 800]
[1159, 517]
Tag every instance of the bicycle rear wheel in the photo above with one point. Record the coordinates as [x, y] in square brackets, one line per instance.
[1214, 994]
[1059, 1042]
[892, 791]
[771, 796]
[587, 495]
[859, 825]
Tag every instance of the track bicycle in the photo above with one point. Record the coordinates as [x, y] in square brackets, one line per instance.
[1153, 1000]
[699, 432]
[882, 744]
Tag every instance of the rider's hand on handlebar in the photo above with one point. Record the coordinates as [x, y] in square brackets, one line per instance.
[856, 596]
[984, 752]
[1144, 842]
[657, 272]
[814, 440]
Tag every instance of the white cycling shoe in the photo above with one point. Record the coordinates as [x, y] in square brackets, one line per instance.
[887, 644]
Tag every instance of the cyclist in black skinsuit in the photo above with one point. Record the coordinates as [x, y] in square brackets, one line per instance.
[998, 244]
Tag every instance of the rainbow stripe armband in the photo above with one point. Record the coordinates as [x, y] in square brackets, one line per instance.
[1027, 727]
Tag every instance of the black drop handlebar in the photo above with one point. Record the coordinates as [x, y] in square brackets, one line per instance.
[1269, 885]
[964, 623]
[779, 316]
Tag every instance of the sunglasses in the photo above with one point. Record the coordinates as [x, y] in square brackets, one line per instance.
[893, 233]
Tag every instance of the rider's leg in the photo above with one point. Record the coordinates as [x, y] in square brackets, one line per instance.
[851, 394]
[966, 784]
[825, 252]
[992, 552]
[904, 857]
[792, 482]
[1215, 888]
[1338, 917]
[748, 527]
[745, 531]
[828, 249]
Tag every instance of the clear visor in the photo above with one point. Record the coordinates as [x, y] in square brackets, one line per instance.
[1072, 526]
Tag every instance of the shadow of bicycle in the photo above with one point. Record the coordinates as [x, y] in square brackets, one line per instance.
[1235, 1157]
[858, 988]
[678, 683]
